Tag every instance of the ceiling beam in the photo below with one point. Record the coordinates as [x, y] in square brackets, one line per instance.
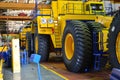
[21, 6]
[15, 18]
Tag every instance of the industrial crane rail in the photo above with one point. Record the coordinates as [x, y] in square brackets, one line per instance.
[14, 18]
[21, 6]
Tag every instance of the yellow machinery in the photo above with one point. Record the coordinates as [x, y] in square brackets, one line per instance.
[26, 40]
[114, 41]
[110, 36]
[1, 64]
[3, 48]
[22, 36]
[69, 26]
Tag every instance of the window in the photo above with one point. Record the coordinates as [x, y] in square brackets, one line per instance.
[87, 7]
[96, 6]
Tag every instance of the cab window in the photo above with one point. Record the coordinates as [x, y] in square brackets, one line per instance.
[87, 7]
[97, 7]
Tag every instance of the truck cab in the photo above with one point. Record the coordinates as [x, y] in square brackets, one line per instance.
[94, 8]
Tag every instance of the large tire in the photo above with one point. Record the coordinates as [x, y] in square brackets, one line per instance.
[22, 44]
[79, 57]
[42, 46]
[97, 27]
[114, 34]
[32, 43]
[28, 43]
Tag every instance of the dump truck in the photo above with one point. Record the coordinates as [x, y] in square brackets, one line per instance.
[26, 38]
[112, 40]
[23, 36]
[80, 30]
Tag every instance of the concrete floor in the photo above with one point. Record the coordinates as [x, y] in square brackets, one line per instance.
[55, 70]
[29, 72]
[56, 64]
[61, 69]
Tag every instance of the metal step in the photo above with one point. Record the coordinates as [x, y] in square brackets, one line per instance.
[57, 35]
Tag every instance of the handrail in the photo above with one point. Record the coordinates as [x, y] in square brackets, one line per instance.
[70, 8]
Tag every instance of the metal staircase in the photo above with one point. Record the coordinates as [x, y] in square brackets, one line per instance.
[57, 34]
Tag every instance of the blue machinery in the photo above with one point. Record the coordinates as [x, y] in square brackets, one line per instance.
[6, 56]
[3, 58]
[24, 57]
[96, 52]
[115, 74]
[35, 58]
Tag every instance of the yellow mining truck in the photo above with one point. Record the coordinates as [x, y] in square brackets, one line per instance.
[25, 36]
[79, 30]
[111, 38]
[22, 35]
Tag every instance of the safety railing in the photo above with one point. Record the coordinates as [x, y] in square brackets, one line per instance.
[44, 12]
[72, 8]
[41, 11]
[78, 8]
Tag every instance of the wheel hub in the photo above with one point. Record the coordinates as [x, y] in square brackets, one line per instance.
[118, 47]
[36, 44]
[69, 46]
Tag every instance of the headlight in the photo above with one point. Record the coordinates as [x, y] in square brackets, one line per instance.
[93, 7]
[50, 20]
[100, 7]
[44, 21]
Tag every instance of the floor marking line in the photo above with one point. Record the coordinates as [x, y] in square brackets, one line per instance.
[54, 72]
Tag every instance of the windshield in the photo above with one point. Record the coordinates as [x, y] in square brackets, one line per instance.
[97, 7]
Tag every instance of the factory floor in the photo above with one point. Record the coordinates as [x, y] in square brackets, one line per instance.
[61, 69]
[54, 69]
[56, 64]
[30, 72]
